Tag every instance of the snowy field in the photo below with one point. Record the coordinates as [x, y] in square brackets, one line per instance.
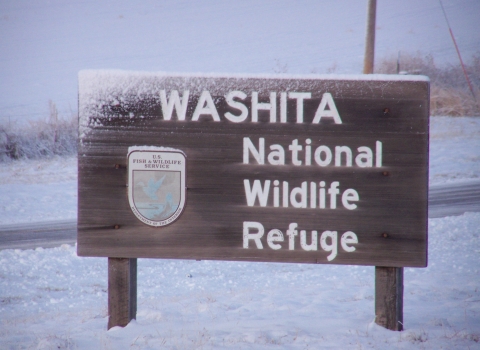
[51, 299]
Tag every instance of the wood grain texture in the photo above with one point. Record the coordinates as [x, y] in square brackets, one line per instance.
[122, 291]
[389, 297]
[210, 226]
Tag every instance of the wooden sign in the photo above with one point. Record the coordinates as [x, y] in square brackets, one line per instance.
[305, 169]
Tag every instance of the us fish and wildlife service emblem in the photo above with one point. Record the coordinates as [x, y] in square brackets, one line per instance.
[156, 184]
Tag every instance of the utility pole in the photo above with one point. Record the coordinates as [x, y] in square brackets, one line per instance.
[370, 38]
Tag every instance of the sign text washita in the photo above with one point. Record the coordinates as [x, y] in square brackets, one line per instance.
[205, 106]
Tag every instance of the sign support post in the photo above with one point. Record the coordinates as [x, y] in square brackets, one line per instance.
[389, 297]
[122, 291]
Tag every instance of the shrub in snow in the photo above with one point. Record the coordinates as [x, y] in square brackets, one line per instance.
[450, 94]
[39, 139]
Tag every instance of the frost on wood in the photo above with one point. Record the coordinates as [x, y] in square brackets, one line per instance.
[106, 96]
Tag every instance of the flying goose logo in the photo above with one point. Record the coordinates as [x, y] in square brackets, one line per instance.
[156, 184]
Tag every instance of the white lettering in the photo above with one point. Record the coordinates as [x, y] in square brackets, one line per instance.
[283, 107]
[329, 247]
[277, 155]
[276, 194]
[333, 191]
[259, 154]
[295, 148]
[303, 241]
[318, 156]
[256, 192]
[247, 236]
[272, 107]
[329, 240]
[291, 233]
[338, 155]
[302, 192]
[205, 105]
[348, 196]
[321, 195]
[313, 195]
[378, 154]
[285, 194]
[236, 100]
[237, 105]
[302, 155]
[364, 159]
[300, 96]
[332, 112]
[348, 238]
[308, 152]
[174, 102]
[275, 236]
[300, 196]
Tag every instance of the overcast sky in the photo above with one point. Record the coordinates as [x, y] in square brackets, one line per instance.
[45, 43]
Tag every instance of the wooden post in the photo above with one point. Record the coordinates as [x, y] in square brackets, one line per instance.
[389, 297]
[122, 291]
[370, 38]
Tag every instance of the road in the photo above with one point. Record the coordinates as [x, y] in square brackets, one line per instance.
[454, 199]
[38, 234]
[444, 200]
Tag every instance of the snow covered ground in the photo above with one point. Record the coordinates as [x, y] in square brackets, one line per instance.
[38, 190]
[454, 149]
[50, 298]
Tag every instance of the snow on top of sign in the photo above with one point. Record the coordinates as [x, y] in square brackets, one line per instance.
[86, 75]
[154, 148]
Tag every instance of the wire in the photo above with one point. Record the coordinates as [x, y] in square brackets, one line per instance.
[458, 52]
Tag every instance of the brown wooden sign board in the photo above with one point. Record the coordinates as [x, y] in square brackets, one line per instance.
[304, 169]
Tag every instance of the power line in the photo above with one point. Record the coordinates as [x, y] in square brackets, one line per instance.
[458, 52]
